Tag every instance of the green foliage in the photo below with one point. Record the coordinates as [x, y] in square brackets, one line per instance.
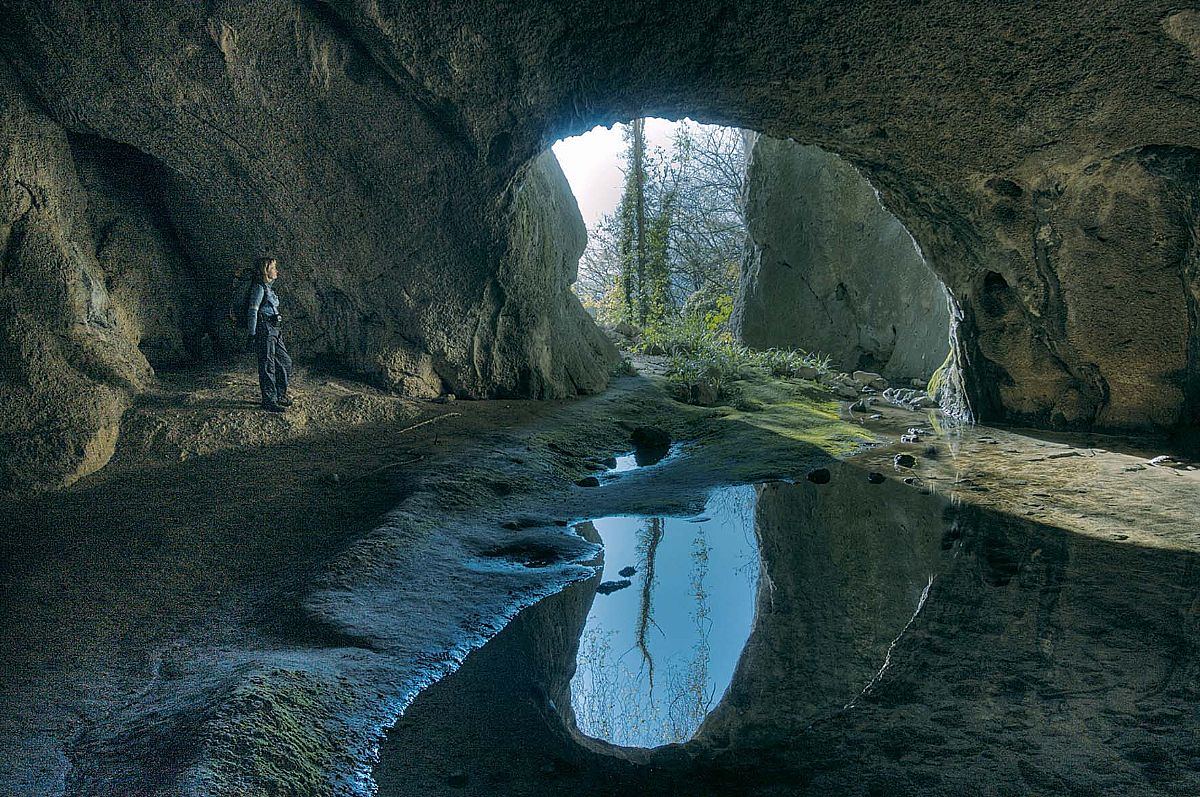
[704, 362]
[791, 363]
[718, 318]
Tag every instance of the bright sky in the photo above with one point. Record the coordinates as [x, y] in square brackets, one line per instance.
[592, 164]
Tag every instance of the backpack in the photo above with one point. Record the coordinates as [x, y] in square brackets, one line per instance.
[239, 297]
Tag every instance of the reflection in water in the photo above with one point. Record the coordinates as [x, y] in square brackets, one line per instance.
[980, 653]
[653, 660]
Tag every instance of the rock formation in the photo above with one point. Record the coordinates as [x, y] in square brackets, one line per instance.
[1044, 160]
[828, 269]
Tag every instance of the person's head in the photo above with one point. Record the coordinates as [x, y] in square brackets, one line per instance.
[266, 269]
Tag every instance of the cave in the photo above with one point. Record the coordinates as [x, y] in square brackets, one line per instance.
[384, 586]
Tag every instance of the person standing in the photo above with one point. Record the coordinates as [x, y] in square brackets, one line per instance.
[263, 324]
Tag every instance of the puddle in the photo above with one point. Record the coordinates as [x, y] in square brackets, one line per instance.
[893, 631]
[668, 623]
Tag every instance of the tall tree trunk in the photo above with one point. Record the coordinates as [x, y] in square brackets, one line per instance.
[639, 186]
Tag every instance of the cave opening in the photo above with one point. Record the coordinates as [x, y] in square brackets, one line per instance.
[700, 235]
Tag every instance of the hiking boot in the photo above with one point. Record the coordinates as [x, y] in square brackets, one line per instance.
[271, 406]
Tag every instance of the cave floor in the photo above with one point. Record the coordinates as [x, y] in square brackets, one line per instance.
[241, 602]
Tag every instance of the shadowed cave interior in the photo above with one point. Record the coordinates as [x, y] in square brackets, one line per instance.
[387, 584]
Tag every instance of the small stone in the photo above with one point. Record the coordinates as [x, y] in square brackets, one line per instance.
[910, 438]
[846, 392]
[1064, 455]
[819, 476]
[867, 377]
[905, 461]
[807, 372]
[626, 572]
[588, 481]
[610, 462]
[874, 477]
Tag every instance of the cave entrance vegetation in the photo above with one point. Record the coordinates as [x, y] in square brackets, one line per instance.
[701, 234]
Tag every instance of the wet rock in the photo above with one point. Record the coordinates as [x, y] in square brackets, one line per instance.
[819, 476]
[627, 572]
[609, 587]
[874, 477]
[650, 437]
[905, 461]
[610, 462]
[588, 481]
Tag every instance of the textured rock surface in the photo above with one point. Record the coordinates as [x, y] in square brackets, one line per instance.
[373, 146]
[68, 354]
[828, 269]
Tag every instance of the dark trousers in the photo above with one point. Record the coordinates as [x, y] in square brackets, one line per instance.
[274, 363]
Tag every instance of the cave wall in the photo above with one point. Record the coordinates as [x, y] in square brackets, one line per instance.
[68, 343]
[1041, 158]
[828, 269]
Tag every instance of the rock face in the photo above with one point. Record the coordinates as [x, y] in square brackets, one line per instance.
[152, 149]
[829, 269]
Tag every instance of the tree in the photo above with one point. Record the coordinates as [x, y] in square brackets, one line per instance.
[674, 243]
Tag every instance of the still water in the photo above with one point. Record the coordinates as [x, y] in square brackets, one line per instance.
[674, 609]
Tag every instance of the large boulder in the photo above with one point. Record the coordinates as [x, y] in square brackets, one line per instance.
[829, 269]
[69, 358]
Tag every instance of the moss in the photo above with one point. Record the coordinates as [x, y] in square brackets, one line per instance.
[802, 412]
[268, 738]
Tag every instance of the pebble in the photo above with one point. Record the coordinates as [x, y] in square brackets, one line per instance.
[588, 481]
[874, 477]
[905, 461]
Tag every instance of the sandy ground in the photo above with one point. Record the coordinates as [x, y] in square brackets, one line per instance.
[240, 603]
